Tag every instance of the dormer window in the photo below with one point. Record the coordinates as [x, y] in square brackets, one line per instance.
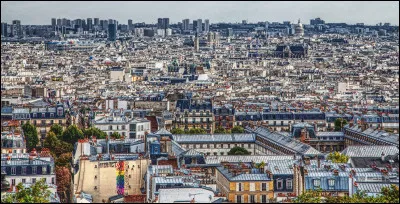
[317, 183]
[59, 111]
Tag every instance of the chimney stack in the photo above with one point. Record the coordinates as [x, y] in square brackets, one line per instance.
[319, 162]
[383, 156]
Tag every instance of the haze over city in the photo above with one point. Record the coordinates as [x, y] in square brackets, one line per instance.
[369, 13]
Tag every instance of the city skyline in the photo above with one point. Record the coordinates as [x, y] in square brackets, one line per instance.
[148, 12]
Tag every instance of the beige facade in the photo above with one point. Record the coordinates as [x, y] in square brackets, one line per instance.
[98, 178]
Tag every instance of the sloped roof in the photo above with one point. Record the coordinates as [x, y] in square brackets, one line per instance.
[370, 151]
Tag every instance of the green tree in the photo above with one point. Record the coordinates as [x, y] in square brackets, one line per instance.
[337, 157]
[72, 134]
[57, 129]
[64, 160]
[36, 193]
[31, 135]
[309, 196]
[238, 151]
[55, 145]
[260, 165]
[116, 135]
[340, 123]
[51, 141]
[390, 194]
[237, 129]
[220, 130]
[63, 176]
[197, 131]
[177, 131]
[93, 131]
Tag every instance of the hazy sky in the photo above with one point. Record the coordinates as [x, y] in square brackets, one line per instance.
[41, 12]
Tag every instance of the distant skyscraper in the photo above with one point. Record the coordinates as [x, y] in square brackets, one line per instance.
[96, 22]
[159, 23]
[112, 32]
[16, 29]
[105, 24]
[78, 22]
[130, 24]
[316, 21]
[53, 22]
[244, 22]
[59, 22]
[185, 24]
[89, 23]
[64, 22]
[229, 32]
[4, 29]
[195, 25]
[199, 26]
[165, 23]
[206, 25]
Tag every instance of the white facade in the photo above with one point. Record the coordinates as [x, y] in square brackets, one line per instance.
[128, 128]
[117, 75]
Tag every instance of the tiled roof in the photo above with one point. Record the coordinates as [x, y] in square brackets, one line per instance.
[243, 176]
[207, 138]
[370, 151]
[244, 158]
[163, 131]
[372, 187]
[287, 142]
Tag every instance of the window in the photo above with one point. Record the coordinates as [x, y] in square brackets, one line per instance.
[59, 111]
[51, 122]
[23, 170]
[34, 180]
[43, 122]
[60, 122]
[264, 187]
[34, 122]
[34, 115]
[23, 180]
[252, 186]
[331, 184]
[52, 180]
[34, 170]
[289, 184]
[43, 115]
[44, 170]
[238, 199]
[52, 115]
[13, 170]
[279, 184]
[252, 199]
[13, 182]
[317, 182]
[239, 186]
[263, 198]
[110, 127]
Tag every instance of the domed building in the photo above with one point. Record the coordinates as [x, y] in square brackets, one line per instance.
[299, 30]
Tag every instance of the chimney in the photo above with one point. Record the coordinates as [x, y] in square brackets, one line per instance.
[319, 162]
[383, 156]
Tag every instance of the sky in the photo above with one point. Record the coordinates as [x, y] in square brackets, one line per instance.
[41, 12]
